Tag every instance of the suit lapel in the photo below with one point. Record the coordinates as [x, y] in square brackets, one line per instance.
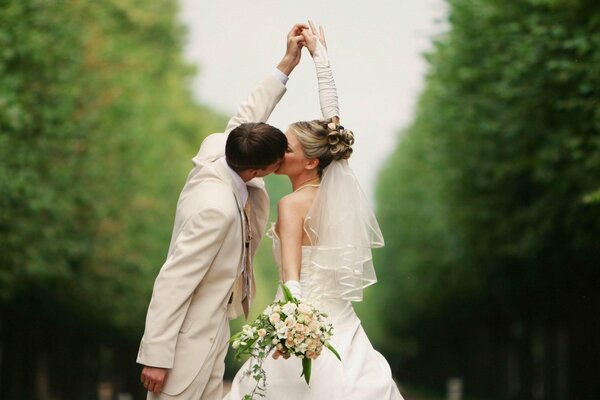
[226, 177]
[259, 201]
[237, 289]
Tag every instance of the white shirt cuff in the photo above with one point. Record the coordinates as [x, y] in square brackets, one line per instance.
[283, 78]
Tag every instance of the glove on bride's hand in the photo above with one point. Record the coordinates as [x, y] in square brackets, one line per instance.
[295, 288]
[314, 41]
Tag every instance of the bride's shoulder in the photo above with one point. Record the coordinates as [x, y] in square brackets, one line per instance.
[291, 200]
[296, 202]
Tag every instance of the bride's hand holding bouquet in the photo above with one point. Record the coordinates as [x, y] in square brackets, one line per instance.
[291, 327]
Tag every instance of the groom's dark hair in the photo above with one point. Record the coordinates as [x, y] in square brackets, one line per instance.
[254, 145]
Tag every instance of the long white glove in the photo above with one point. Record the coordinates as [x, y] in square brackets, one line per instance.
[295, 288]
[327, 90]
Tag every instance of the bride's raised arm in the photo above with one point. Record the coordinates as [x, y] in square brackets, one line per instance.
[317, 46]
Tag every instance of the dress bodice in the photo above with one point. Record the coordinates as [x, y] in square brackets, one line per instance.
[311, 277]
[276, 249]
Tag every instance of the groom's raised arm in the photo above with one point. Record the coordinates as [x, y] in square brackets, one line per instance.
[261, 102]
[259, 105]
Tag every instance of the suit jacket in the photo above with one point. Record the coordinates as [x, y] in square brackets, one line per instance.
[189, 306]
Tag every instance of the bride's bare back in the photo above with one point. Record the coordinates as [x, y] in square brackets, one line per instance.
[292, 210]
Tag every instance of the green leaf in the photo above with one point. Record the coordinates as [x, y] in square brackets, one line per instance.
[593, 197]
[306, 369]
[234, 337]
[287, 295]
[244, 349]
[334, 351]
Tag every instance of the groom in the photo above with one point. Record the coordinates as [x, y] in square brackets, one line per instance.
[221, 215]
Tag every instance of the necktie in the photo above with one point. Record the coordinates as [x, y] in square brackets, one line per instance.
[247, 275]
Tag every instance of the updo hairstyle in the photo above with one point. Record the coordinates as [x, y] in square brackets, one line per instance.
[324, 140]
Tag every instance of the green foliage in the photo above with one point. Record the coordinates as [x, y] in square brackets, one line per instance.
[489, 203]
[97, 130]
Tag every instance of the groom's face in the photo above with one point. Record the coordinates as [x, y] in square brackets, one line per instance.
[269, 169]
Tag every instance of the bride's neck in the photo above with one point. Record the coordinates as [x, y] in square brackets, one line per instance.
[304, 179]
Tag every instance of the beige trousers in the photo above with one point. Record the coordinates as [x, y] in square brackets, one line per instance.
[201, 388]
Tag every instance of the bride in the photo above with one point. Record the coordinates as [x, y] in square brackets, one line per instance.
[322, 245]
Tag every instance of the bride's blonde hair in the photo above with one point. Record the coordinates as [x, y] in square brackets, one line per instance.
[324, 140]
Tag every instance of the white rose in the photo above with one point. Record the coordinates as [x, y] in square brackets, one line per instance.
[301, 348]
[262, 332]
[289, 308]
[275, 318]
[304, 308]
[281, 330]
[314, 326]
[268, 311]
[248, 331]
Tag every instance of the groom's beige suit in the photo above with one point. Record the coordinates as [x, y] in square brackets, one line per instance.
[200, 284]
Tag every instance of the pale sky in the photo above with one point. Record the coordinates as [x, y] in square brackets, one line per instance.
[375, 48]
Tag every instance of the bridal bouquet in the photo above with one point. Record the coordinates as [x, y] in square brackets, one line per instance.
[290, 326]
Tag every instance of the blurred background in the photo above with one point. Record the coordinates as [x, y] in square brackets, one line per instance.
[478, 141]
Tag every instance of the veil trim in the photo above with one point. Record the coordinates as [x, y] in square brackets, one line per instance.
[342, 229]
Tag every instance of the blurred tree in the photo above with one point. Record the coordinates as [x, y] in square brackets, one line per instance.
[489, 205]
[97, 130]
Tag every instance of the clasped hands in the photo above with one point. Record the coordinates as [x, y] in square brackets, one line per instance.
[301, 35]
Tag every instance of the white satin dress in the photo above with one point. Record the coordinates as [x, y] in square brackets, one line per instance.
[363, 373]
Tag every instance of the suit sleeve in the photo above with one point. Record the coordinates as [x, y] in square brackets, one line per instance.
[194, 251]
[257, 107]
[259, 104]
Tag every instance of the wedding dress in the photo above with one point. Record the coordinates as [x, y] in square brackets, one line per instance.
[362, 374]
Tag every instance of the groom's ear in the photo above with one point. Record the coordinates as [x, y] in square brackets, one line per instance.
[312, 163]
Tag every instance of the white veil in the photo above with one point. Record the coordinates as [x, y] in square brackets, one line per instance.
[342, 228]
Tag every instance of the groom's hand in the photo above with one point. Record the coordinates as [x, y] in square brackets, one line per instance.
[295, 42]
[154, 378]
